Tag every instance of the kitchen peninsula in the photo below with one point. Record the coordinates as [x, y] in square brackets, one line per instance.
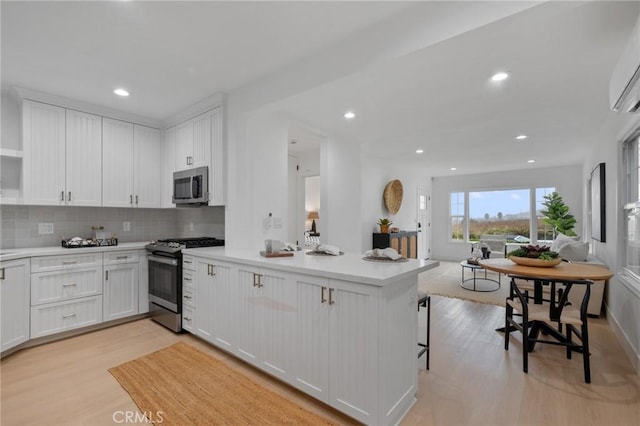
[338, 328]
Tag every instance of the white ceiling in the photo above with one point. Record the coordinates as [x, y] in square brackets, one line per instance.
[171, 55]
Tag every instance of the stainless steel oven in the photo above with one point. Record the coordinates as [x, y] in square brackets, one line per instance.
[165, 289]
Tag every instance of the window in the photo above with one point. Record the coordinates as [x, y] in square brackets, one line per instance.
[631, 194]
[456, 213]
[504, 212]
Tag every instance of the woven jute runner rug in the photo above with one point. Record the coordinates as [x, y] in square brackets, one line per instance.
[180, 385]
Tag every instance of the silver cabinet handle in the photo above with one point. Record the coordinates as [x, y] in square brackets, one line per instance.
[322, 299]
[69, 200]
[122, 257]
[187, 318]
[187, 261]
[331, 301]
[256, 280]
[186, 296]
[68, 316]
[136, 200]
[187, 279]
[69, 262]
[130, 199]
[106, 275]
[62, 196]
[69, 285]
[2, 277]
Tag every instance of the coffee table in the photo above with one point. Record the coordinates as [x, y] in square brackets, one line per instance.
[494, 284]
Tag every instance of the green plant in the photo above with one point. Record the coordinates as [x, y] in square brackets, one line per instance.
[557, 214]
[385, 221]
[534, 252]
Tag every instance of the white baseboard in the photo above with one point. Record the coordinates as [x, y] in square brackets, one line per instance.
[628, 349]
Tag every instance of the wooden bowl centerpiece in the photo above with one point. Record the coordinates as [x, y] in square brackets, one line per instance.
[537, 256]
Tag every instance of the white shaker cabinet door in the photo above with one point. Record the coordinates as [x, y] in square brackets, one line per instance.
[354, 350]
[184, 145]
[14, 301]
[117, 155]
[44, 163]
[84, 159]
[202, 140]
[148, 166]
[168, 166]
[312, 337]
[120, 291]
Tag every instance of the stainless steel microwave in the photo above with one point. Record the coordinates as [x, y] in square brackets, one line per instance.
[191, 186]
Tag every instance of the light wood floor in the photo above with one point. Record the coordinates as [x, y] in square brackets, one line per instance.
[472, 380]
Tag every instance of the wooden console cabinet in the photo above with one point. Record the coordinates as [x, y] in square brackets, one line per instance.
[404, 242]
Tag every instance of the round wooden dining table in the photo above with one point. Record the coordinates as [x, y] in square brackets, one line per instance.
[563, 271]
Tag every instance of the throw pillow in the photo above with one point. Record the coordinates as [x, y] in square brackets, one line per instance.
[574, 251]
[561, 240]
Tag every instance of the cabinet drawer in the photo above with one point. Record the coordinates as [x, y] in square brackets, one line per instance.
[188, 278]
[57, 317]
[48, 287]
[117, 257]
[188, 319]
[59, 263]
[187, 296]
[188, 262]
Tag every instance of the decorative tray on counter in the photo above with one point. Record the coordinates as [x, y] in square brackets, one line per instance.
[82, 243]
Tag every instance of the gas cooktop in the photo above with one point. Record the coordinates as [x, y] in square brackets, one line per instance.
[177, 244]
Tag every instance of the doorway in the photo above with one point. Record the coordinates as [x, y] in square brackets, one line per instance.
[424, 223]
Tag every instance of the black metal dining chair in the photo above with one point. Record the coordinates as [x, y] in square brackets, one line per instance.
[538, 313]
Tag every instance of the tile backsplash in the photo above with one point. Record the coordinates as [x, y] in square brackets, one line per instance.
[20, 224]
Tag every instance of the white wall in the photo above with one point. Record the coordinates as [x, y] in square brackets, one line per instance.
[376, 173]
[567, 180]
[622, 298]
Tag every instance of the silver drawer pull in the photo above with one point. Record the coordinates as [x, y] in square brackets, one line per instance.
[187, 318]
[187, 261]
[69, 285]
[122, 257]
[187, 279]
[68, 316]
[186, 296]
[69, 262]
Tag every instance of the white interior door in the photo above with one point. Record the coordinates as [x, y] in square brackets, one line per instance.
[424, 223]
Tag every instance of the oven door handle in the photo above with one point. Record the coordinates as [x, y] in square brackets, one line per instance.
[166, 261]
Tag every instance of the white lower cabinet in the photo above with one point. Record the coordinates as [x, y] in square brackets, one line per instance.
[214, 314]
[350, 345]
[66, 292]
[14, 303]
[120, 286]
[337, 344]
[62, 316]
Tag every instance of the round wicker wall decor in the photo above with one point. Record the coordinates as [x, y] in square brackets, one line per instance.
[393, 196]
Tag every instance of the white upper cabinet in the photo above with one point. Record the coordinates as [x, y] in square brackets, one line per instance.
[132, 160]
[62, 156]
[44, 162]
[199, 142]
[184, 145]
[168, 166]
[147, 155]
[117, 172]
[84, 159]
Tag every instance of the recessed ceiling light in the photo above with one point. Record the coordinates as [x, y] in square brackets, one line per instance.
[531, 161]
[499, 76]
[419, 151]
[453, 169]
[520, 137]
[349, 114]
[121, 92]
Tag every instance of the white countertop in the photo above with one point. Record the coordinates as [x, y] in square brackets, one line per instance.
[20, 253]
[348, 267]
